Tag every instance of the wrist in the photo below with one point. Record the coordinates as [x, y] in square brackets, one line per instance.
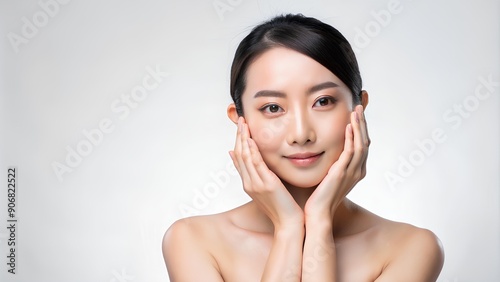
[325, 211]
[293, 223]
[319, 222]
[322, 212]
[319, 216]
[289, 230]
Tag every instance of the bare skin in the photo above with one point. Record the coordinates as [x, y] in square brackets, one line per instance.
[299, 226]
[232, 248]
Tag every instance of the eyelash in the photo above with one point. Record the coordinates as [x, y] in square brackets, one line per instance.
[266, 107]
[330, 99]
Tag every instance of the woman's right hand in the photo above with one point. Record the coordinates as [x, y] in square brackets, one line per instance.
[261, 184]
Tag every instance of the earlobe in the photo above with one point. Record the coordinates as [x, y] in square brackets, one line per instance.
[364, 99]
[232, 113]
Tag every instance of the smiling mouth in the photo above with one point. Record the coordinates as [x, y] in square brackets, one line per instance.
[304, 159]
[303, 155]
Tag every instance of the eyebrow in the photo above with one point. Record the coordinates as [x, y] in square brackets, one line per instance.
[279, 94]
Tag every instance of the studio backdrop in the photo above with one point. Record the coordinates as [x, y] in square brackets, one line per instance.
[113, 125]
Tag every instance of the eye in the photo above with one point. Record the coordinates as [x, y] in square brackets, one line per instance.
[271, 109]
[324, 101]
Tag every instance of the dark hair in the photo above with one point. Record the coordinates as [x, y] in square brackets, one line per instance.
[306, 35]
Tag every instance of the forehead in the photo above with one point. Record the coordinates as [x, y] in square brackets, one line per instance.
[287, 70]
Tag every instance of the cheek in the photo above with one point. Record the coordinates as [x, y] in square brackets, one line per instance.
[337, 139]
[335, 136]
[268, 134]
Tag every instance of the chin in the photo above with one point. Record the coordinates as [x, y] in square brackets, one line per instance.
[303, 181]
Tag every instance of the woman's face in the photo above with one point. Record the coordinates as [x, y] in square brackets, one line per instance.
[297, 112]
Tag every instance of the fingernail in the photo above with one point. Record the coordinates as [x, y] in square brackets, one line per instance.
[239, 125]
[361, 110]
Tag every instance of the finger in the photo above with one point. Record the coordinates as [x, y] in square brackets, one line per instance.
[339, 168]
[357, 167]
[366, 129]
[235, 162]
[359, 147]
[247, 155]
[237, 144]
[348, 152]
[260, 166]
[366, 139]
[363, 125]
[239, 158]
[286, 205]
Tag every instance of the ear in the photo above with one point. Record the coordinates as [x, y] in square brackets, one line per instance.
[364, 99]
[231, 113]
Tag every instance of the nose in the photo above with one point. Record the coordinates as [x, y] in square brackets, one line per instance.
[300, 129]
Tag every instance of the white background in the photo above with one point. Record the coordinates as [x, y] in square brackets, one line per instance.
[105, 220]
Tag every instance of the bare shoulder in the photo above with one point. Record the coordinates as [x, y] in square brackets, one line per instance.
[190, 228]
[413, 253]
[200, 228]
[196, 231]
[409, 239]
[403, 234]
[188, 244]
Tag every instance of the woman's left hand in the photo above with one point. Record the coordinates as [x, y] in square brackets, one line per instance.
[348, 170]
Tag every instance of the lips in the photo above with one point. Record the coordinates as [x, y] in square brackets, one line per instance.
[304, 159]
[303, 155]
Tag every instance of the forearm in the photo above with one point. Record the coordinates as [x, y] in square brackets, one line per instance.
[285, 258]
[319, 256]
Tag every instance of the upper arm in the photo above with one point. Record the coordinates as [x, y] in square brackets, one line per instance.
[186, 257]
[419, 259]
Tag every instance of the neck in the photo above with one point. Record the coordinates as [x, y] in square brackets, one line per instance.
[342, 215]
[341, 221]
[301, 195]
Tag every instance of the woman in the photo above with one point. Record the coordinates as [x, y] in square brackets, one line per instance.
[301, 146]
